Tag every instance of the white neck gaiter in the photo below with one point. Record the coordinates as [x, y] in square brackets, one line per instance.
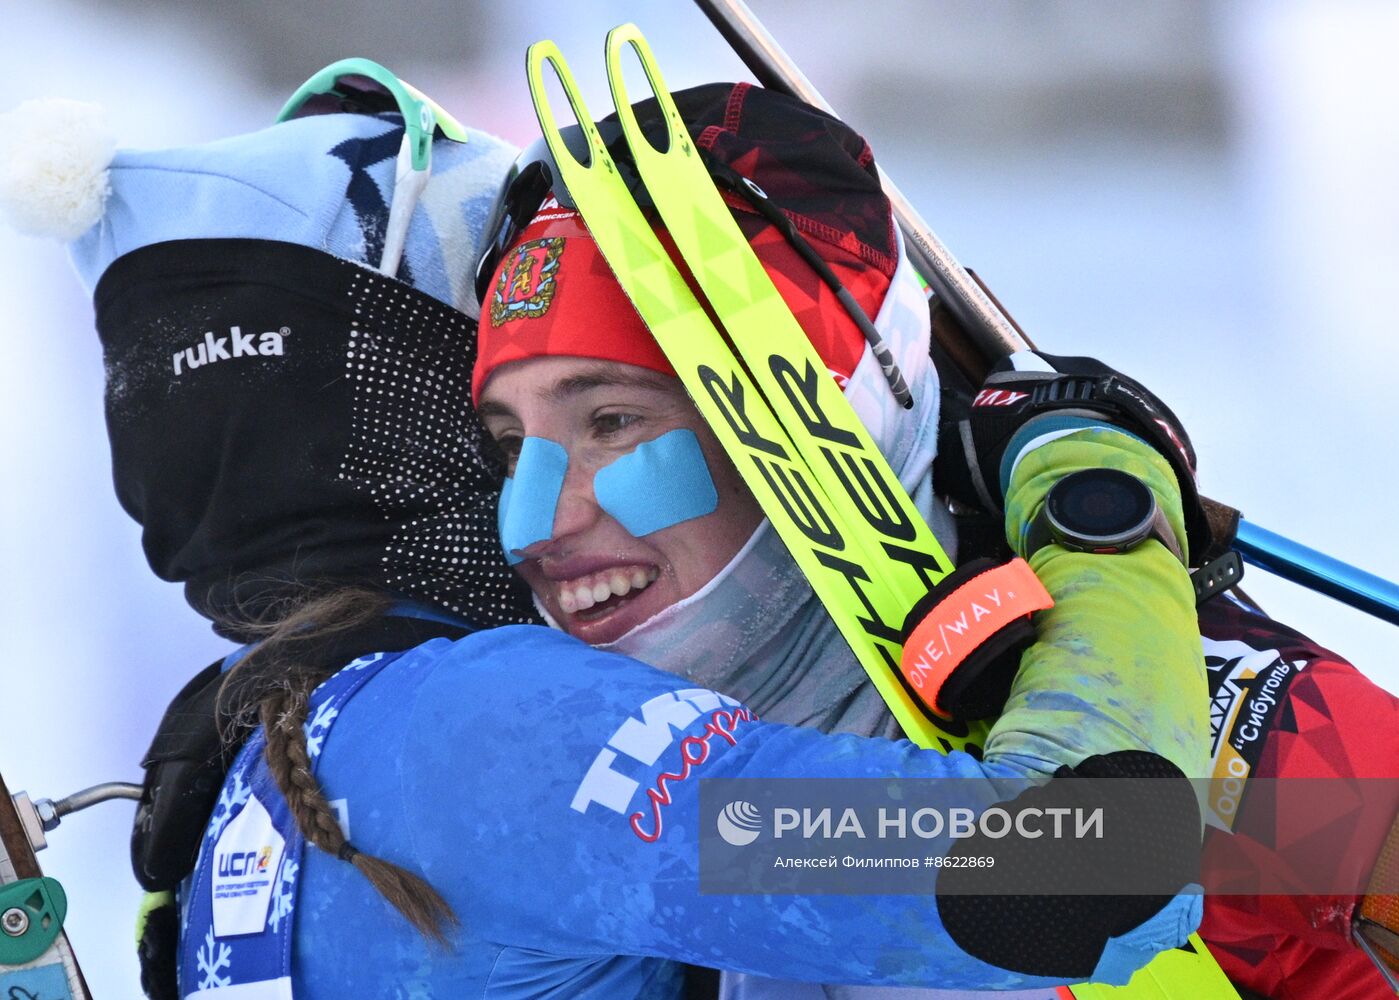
[758, 633]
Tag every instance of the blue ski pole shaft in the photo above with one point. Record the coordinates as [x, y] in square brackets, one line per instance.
[1317, 571]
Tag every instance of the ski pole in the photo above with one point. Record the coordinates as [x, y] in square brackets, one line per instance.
[1318, 571]
[993, 334]
[990, 330]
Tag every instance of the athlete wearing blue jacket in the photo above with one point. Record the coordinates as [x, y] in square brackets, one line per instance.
[510, 768]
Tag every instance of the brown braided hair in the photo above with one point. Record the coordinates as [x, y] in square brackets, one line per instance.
[272, 686]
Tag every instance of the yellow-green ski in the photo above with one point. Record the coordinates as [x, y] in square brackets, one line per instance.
[836, 554]
[1186, 973]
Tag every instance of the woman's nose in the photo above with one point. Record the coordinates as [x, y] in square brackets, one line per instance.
[577, 508]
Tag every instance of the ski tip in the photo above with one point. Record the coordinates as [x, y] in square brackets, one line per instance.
[625, 34]
[618, 39]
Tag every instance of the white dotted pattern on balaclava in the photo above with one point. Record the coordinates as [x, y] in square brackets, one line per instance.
[416, 446]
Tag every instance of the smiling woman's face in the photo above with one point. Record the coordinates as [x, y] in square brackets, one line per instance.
[596, 579]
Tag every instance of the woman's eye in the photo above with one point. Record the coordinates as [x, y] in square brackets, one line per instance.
[509, 445]
[605, 424]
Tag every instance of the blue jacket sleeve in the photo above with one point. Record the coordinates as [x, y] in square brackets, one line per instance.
[552, 792]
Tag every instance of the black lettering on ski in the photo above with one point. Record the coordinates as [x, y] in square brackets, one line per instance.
[860, 475]
[800, 390]
[798, 499]
[728, 396]
[856, 577]
[872, 495]
[927, 568]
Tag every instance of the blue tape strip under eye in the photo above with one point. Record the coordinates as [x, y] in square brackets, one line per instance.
[660, 484]
[531, 496]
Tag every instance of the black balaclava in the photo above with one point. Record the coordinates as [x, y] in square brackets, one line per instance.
[282, 418]
[282, 415]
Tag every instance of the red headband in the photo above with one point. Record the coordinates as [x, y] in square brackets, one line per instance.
[553, 294]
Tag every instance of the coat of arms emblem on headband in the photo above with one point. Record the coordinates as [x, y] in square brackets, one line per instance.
[527, 283]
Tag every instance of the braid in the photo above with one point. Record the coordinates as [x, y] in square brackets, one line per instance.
[273, 684]
[283, 716]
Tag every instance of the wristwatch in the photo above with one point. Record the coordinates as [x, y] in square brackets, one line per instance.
[1104, 511]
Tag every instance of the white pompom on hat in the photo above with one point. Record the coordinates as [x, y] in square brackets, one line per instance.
[54, 155]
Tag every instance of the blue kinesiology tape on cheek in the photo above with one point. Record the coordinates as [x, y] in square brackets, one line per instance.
[662, 483]
[531, 496]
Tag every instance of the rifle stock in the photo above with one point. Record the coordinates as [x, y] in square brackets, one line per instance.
[18, 863]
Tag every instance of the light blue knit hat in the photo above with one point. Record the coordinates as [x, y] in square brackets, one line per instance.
[325, 181]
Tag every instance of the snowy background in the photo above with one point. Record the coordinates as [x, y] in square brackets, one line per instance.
[1202, 193]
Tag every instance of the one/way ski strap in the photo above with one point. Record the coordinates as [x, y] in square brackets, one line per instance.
[966, 611]
[834, 556]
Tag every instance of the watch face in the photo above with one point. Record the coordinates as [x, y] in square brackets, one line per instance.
[1101, 504]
